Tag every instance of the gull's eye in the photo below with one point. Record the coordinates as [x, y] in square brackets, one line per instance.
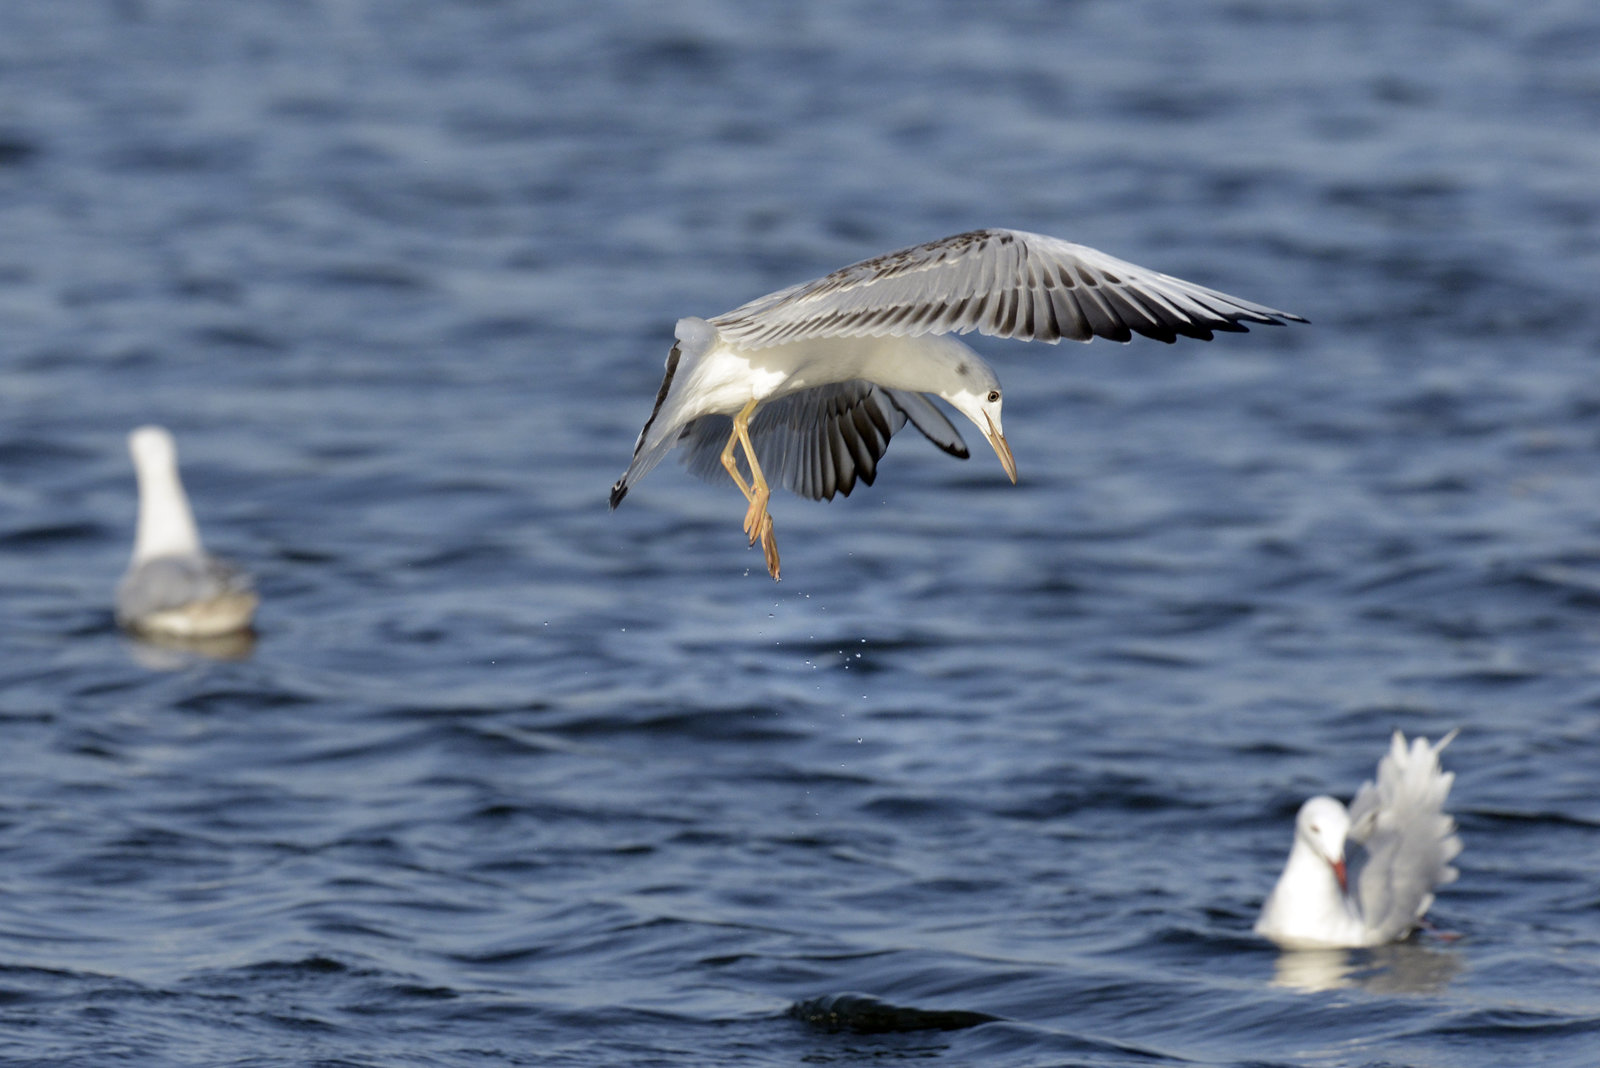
[1315, 829]
[994, 395]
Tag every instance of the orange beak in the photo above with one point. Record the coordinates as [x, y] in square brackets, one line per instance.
[1339, 873]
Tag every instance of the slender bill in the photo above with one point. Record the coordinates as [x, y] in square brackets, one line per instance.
[1002, 448]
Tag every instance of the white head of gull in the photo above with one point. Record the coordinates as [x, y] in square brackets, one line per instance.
[172, 587]
[1407, 840]
[808, 384]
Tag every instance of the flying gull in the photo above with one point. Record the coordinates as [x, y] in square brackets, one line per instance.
[807, 385]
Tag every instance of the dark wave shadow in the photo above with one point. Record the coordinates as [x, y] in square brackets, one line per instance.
[864, 1014]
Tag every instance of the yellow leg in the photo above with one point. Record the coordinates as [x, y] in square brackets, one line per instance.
[732, 465]
[757, 521]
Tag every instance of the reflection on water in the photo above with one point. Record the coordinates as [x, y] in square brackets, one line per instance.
[160, 652]
[1404, 968]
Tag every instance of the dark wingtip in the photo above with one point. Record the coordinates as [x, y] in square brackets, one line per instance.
[618, 491]
[1279, 318]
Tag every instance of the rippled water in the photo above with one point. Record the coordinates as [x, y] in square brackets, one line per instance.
[508, 779]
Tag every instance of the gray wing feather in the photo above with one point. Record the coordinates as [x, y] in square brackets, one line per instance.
[1001, 282]
[926, 417]
[820, 442]
[166, 582]
[1409, 839]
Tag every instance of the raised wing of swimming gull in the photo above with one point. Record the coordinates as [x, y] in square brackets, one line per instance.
[1408, 843]
[173, 587]
[824, 345]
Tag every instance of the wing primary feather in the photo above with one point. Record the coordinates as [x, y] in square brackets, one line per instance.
[928, 419]
[1172, 311]
[880, 422]
[836, 461]
[1103, 322]
[1069, 315]
[1012, 304]
[1048, 328]
[1137, 316]
[997, 282]
[863, 443]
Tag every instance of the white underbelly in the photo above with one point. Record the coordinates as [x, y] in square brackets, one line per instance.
[725, 380]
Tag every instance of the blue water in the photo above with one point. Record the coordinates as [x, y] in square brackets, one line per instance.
[507, 779]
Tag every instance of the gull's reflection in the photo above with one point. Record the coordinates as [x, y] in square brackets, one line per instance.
[1402, 968]
[160, 652]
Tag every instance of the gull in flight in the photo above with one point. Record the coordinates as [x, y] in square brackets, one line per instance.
[807, 385]
[173, 588]
[1408, 842]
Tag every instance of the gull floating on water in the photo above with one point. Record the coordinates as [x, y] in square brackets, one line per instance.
[1409, 842]
[172, 587]
[810, 383]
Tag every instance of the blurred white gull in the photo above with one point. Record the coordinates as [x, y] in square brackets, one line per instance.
[172, 587]
[812, 381]
[1408, 840]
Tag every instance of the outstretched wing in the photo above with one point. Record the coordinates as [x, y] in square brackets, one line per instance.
[1409, 839]
[819, 442]
[1002, 282]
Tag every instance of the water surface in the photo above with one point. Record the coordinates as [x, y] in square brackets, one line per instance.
[507, 779]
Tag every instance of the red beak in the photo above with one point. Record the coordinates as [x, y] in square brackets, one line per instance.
[1338, 873]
